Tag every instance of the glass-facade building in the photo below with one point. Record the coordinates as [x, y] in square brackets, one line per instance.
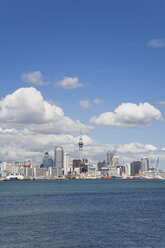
[47, 162]
[59, 160]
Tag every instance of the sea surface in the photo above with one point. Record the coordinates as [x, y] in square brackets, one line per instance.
[82, 214]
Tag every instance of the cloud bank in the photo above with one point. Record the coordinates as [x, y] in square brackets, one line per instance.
[17, 145]
[129, 115]
[30, 126]
[26, 108]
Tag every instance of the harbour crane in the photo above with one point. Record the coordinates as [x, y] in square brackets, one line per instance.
[157, 162]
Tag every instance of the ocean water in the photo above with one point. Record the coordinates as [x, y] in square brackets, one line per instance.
[82, 214]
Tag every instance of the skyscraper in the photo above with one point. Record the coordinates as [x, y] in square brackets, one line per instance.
[110, 158]
[115, 161]
[66, 163]
[47, 160]
[128, 169]
[144, 164]
[135, 168]
[58, 160]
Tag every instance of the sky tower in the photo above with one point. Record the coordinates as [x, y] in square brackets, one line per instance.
[80, 144]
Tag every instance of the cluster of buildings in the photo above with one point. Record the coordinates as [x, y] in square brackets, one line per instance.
[61, 167]
[141, 169]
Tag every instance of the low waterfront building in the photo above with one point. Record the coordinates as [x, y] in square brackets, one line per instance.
[40, 172]
[92, 171]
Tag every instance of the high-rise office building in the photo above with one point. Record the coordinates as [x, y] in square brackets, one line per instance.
[66, 163]
[128, 169]
[110, 158]
[47, 161]
[58, 160]
[144, 164]
[135, 168]
[115, 161]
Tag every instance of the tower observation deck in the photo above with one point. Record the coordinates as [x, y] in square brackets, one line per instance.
[80, 144]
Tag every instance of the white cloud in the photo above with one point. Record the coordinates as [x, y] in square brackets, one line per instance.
[85, 104]
[157, 43]
[135, 151]
[135, 148]
[26, 108]
[98, 101]
[129, 115]
[69, 83]
[30, 126]
[34, 77]
[18, 145]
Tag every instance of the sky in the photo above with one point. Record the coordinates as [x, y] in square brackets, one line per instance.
[89, 66]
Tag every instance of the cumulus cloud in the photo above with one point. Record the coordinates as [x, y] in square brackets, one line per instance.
[30, 126]
[129, 115]
[34, 77]
[135, 148]
[27, 108]
[157, 43]
[98, 101]
[85, 104]
[69, 83]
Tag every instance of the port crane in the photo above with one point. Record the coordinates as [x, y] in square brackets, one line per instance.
[157, 162]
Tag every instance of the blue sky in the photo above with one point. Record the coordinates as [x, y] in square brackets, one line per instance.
[115, 49]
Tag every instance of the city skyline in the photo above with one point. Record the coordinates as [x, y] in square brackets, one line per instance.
[61, 167]
[94, 67]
